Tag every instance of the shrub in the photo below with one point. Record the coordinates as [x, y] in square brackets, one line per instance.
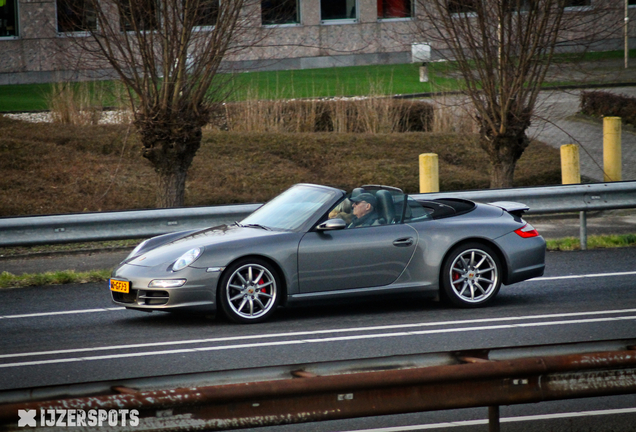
[604, 104]
[359, 115]
[75, 104]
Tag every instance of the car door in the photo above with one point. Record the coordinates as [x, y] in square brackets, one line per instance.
[354, 258]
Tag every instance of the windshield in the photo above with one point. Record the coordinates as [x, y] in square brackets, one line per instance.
[293, 208]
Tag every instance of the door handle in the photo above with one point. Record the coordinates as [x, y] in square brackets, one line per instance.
[403, 242]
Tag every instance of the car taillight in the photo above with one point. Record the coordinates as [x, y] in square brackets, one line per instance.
[527, 231]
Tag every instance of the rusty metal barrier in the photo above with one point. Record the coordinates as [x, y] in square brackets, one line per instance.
[477, 378]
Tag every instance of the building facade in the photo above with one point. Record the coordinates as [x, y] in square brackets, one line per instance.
[36, 36]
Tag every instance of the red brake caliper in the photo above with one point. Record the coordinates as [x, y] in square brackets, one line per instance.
[456, 276]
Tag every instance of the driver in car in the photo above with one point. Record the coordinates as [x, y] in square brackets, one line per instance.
[364, 213]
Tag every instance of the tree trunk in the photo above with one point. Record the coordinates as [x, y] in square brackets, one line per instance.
[502, 174]
[171, 189]
[170, 145]
[504, 151]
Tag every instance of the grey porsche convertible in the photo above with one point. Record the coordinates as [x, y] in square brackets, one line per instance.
[317, 242]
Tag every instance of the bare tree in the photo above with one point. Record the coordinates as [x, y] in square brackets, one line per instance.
[503, 50]
[168, 53]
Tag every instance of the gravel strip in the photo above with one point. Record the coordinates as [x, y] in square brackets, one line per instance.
[107, 117]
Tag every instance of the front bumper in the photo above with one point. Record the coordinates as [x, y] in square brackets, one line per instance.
[198, 294]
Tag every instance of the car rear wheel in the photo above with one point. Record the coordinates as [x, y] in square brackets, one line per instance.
[249, 291]
[471, 276]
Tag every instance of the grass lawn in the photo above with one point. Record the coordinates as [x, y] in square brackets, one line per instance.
[27, 97]
[306, 83]
[343, 81]
[8, 280]
[593, 242]
[310, 83]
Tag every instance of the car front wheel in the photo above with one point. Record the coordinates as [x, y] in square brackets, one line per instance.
[249, 291]
[471, 275]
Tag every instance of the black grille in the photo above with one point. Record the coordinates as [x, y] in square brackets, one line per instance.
[153, 298]
[130, 297]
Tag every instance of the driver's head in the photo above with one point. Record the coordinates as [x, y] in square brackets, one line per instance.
[363, 204]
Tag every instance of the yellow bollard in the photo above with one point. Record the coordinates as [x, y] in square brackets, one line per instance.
[570, 164]
[429, 173]
[612, 149]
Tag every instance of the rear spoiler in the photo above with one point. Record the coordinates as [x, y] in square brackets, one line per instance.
[514, 208]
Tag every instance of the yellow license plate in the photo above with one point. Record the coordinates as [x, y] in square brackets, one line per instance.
[120, 286]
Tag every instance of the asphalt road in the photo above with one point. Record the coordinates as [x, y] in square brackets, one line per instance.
[73, 333]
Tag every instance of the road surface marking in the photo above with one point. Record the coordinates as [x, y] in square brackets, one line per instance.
[594, 275]
[71, 312]
[284, 342]
[330, 331]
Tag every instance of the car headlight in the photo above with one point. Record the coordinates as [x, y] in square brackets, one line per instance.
[186, 259]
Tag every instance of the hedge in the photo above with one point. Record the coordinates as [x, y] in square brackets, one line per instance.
[604, 104]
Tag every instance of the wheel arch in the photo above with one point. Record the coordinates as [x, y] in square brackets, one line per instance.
[280, 273]
[487, 242]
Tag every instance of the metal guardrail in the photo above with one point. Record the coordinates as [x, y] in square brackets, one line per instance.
[23, 231]
[556, 199]
[338, 390]
[33, 230]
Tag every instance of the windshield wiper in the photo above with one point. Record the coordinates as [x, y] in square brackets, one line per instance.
[258, 226]
[253, 226]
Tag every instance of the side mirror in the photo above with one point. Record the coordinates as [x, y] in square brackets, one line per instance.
[332, 224]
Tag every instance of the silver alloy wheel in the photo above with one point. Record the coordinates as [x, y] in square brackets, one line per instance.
[251, 291]
[474, 276]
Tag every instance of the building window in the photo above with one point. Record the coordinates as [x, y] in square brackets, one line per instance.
[334, 10]
[8, 18]
[207, 12]
[462, 6]
[395, 9]
[577, 3]
[75, 16]
[279, 12]
[518, 5]
[470, 6]
[138, 15]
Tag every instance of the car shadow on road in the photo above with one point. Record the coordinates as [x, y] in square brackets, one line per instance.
[351, 311]
[350, 308]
